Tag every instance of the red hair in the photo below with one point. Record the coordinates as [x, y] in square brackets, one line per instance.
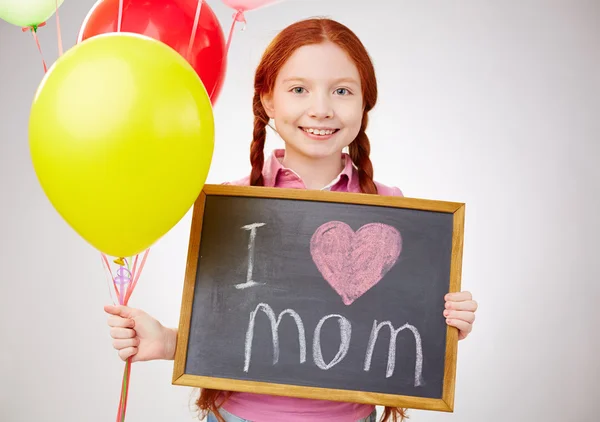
[299, 34]
[307, 32]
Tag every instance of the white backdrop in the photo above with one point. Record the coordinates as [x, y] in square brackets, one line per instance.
[492, 103]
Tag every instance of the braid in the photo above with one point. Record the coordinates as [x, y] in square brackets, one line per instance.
[360, 149]
[257, 146]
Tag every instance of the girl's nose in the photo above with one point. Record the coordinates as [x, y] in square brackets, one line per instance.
[321, 107]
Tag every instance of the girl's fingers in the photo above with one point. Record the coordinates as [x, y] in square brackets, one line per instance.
[121, 333]
[116, 321]
[459, 296]
[119, 310]
[468, 305]
[121, 344]
[462, 315]
[124, 354]
[464, 327]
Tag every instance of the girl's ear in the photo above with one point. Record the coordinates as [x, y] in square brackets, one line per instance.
[267, 103]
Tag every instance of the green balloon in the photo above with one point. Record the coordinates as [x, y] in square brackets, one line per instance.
[27, 13]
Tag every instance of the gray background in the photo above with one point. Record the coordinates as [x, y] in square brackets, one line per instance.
[494, 103]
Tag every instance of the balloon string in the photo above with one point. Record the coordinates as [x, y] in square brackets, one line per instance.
[194, 29]
[123, 279]
[212, 92]
[110, 273]
[124, 282]
[109, 278]
[33, 30]
[58, 32]
[120, 19]
[136, 274]
[237, 17]
[124, 391]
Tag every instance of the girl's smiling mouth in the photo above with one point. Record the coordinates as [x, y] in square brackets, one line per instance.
[318, 133]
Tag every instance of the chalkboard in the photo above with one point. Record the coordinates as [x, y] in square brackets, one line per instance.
[318, 294]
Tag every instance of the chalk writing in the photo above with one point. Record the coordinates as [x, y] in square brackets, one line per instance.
[249, 282]
[345, 334]
[345, 337]
[392, 349]
[352, 263]
[275, 333]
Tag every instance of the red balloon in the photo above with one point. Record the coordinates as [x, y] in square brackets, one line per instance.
[171, 22]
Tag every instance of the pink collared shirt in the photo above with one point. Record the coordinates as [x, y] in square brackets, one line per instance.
[277, 176]
[266, 408]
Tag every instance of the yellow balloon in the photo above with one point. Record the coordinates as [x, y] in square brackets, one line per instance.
[121, 135]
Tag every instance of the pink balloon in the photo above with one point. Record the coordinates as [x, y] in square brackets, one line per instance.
[245, 5]
[241, 6]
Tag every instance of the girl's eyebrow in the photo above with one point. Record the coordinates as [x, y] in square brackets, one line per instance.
[294, 79]
[346, 79]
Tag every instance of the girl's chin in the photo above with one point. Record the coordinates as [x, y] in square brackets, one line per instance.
[313, 152]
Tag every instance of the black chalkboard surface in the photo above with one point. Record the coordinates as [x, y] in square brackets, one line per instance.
[325, 295]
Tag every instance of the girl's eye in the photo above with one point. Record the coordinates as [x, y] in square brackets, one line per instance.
[298, 90]
[342, 91]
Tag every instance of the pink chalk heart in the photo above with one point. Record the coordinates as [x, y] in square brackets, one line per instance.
[352, 262]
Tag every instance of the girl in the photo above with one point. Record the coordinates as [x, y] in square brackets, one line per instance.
[317, 83]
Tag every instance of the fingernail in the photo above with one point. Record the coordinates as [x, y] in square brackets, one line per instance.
[448, 321]
[446, 313]
[447, 305]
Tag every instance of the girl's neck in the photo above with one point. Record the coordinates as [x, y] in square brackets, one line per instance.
[315, 173]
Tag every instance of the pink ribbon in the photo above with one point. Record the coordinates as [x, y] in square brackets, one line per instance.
[124, 282]
[194, 29]
[58, 32]
[237, 17]
[33, 30]
[120, 18]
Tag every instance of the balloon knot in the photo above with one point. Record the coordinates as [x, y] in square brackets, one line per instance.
[239, 16]
[33, 28]
[119, 261]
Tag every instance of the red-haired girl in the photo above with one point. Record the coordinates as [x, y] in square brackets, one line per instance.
[316, 82]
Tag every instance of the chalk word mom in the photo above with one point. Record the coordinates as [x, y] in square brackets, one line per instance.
[345, 336]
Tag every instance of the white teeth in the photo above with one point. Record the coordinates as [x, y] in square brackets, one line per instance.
[319, 131]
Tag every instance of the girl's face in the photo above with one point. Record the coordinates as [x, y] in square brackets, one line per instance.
[317, 101]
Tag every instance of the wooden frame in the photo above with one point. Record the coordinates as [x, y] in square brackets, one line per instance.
[446, 403]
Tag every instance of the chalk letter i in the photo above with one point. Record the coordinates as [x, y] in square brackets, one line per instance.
[249, 282]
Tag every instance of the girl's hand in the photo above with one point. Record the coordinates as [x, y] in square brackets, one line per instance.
[137, 334]
[460, 312]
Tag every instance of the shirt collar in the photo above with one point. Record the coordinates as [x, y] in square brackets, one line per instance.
[273, 168]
